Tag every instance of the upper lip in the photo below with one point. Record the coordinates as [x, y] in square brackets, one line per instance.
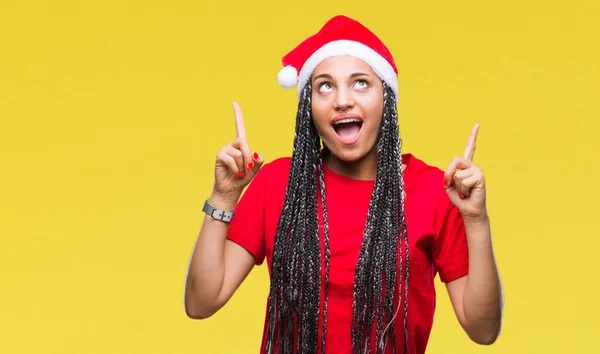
[345, 116]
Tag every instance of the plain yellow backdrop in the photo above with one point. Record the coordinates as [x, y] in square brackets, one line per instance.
[112, 113]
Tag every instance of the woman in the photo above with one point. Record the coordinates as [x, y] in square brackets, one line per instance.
[353, 232]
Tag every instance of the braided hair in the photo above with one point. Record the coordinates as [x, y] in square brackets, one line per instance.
[294, 298]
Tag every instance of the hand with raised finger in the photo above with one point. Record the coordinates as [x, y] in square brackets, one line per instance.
[236, 165]
[465, 183]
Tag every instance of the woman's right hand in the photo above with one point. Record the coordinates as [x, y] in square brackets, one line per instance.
[236, 165]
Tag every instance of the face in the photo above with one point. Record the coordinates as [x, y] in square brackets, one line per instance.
[347, 105]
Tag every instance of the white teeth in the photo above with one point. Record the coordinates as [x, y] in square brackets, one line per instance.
[347, 120]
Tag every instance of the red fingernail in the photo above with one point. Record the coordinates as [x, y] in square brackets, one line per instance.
[460, 196]
[453, 174]
[237, 175]
[255, 155]
[445, 182]
[243, 174]
[250, 165]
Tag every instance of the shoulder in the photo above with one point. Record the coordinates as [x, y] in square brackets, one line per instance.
[420, 171]
[273, 173]
[280, 163]
[426, 181]
[278, 167]
[270, 181]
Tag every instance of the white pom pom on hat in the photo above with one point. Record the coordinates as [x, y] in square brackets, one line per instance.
[341, 35]
[288, 77]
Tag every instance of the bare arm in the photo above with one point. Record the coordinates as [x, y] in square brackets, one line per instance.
[477, 298]
[218, 266]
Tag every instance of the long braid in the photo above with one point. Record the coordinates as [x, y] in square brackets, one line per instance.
[294, 299]
[399, 225]
[385, 236]
[399, 217]
[327, 249]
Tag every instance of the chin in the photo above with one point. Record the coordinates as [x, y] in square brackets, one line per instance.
[348, 154]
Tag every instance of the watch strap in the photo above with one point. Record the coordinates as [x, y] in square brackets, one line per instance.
[217, 213]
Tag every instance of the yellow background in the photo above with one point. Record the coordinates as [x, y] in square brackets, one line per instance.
[112, 113]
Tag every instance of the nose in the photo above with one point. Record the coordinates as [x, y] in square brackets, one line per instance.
[344, 100]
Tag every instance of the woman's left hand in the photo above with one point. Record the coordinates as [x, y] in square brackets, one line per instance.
[465, 183]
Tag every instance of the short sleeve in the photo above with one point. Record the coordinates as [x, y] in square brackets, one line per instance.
[450, 251]
[247, 227]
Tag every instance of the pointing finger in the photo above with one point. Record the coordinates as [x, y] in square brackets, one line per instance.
[240, 128]
[471, 144]
[241, 136]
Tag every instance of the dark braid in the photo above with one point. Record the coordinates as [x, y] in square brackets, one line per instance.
[385, 238]
[327, 250]
[389, 230]
[294, 301]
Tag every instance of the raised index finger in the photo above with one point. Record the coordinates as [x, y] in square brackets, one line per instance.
[240, 128]
[241, 136]
[470, 149]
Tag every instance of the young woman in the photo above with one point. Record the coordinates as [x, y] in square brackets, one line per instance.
[353, 231]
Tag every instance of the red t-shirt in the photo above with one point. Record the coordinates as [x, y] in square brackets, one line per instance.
[437, 242]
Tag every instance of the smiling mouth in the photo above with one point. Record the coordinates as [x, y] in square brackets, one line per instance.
[348, 129]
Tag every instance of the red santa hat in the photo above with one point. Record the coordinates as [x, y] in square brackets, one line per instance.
[339, 36]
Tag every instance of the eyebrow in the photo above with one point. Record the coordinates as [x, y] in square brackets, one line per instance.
[327, 76]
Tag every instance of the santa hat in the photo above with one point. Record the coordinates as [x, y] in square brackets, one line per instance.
[339, 36]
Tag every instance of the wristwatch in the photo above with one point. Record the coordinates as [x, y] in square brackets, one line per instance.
[216, 213]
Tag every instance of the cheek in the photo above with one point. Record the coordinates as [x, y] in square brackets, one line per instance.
[374, 130]
[319, 114]
[375, 114]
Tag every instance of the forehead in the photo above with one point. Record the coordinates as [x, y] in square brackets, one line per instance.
[342, 66]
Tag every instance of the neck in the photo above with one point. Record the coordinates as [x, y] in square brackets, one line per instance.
[363, 169]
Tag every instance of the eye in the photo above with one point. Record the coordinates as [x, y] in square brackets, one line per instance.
[325, 87]
[361, 84]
